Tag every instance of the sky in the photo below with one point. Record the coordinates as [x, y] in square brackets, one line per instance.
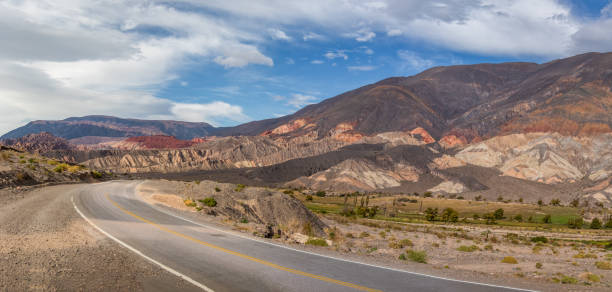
[227, 62]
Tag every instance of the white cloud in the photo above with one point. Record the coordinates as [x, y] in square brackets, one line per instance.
[410, 60]
[215, 111]
[278, 34]
[300, 100]
[361, 68]
[336, 54]
[184, 83]
[362, 35]
[394, 32]
[312, 36]
[316, 62]
[289, 61]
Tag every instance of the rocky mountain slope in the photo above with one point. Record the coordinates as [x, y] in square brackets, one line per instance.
[38, 143]
[105, 126]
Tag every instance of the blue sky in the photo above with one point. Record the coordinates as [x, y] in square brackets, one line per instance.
[229, 62]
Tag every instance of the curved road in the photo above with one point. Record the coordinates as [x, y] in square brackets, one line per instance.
[214, 260]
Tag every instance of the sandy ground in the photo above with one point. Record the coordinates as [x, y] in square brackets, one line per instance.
[46, 246]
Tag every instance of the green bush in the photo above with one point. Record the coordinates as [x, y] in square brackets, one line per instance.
[402, 257]
[499, 214]
[316, 241]
[595, 223]
[308, 198]
[538, 265]
[575, 222]
[61, 168]
[320, 194]
[416, 256]
[210, 202]
[239, 187]
[190, 203]
[509, 260]
[450, 215]
[568, 280]
[427, 195]
[431, 213]
[603, 265]
[547, 219]
[288, 192]
[96, 174]
[217, 189]
[541, 239]
[470, 248]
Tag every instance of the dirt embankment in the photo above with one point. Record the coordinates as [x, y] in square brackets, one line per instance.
[45, 245]
[268, 212]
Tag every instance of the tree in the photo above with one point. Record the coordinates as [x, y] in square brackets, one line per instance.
[595, 223]
[518, 218]
[608, 224]
[500, 198]
[575, 203]
[450, 215]
[489, 217]
[499, 214]
[430, 214]
[575, 222]
[547, 219]
[320, 194]
[555, 202]
[540, 203]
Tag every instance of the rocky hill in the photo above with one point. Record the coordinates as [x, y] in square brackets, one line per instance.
[39, 143]
[105, 126]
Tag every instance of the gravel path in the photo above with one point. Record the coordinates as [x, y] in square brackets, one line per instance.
[45, 245]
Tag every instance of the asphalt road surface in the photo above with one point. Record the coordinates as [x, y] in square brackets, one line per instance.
[215, 260]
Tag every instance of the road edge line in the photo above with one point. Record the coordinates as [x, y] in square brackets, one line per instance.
[335, 258]
[134, 250]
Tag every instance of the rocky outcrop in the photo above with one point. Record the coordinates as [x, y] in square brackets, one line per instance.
[544, 157]
[39, 143]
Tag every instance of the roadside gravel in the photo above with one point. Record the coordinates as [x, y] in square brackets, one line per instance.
[46, 245]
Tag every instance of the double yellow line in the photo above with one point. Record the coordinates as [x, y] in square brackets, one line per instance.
[260, 261]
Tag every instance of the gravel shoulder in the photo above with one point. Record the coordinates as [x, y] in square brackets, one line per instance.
[46, 245]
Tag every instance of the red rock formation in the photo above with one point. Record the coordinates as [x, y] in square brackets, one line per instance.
[452, 141]
[425, 137]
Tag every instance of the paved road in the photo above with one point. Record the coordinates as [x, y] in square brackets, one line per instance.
[216, 260]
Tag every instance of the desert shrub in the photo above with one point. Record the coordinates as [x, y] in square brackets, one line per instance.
[210, 202]
[541, 239]
[490, 217]
[568, 280]
[575, 222]
[288, 192]
[547, 219]
[61, 168]
[470, 248]
[405, 243]
[53, 162]
[592, 277]
[307, 229]
[320, 194]
[75, 168]
[555, 202]
[308, 198]
[217, 189]
[582, 255]
[382, 234]
[478, 198]
[595, 223]
[197, 182]
[500, 199]
[540, 202]
[488, 247]
[402, 257]
[316, 241]
[575, 203]
[364, 234]
[509, 260]
[416, 256]
[427, 194]
[190, 203]
[239, 187]
[608, 224]
[476, 216]
[603, 265]
[5, 156]
[518, 218]
[538, 265]
[349, 235]
[96, 174]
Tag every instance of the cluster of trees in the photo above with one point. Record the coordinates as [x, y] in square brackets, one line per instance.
[596, 223]
[363, 210]
[447, 215]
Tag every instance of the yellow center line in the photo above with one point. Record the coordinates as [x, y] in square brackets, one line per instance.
[263, 262]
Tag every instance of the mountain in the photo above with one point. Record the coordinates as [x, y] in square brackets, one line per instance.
[466, 102]
[41, 142]
[105, 126]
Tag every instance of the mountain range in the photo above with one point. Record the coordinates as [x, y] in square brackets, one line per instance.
[484, 129]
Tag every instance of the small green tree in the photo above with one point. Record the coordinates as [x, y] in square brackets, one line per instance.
[575, 222]
[518, 218]
[320, 194]
[540, 203]
[499, 214]
[547, 219]
[431, 213]
[595, 223]
[450, 215]
[555, 202]
[608, 224]
[490, 217]
[575, 203]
